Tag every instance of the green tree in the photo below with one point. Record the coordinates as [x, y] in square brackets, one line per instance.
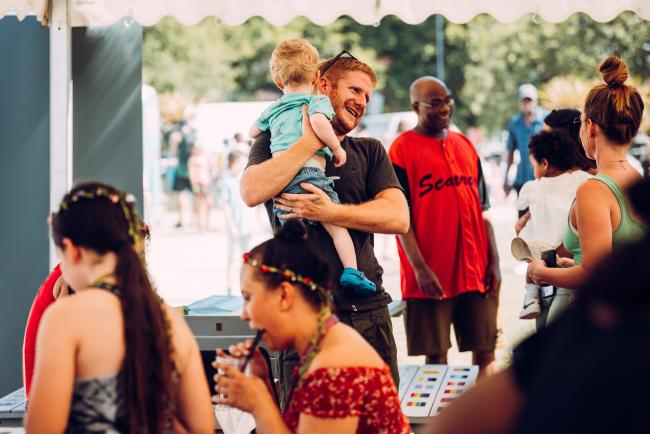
[485, 61]
[503, 56]
[218, 62]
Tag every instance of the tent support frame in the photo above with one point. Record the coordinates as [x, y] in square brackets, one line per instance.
[60, 106]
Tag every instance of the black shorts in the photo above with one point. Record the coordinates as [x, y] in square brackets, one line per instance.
[182, 184]
[376, 327]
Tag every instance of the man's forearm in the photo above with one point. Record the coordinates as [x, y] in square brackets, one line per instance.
[411, 248]
[509, 159]
[266, 180]
[493, 253]
[387, 213]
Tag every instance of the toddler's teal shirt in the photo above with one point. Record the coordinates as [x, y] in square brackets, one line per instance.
[284, 119]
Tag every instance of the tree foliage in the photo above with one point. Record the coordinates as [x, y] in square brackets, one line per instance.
[485, 61]
[504, 56]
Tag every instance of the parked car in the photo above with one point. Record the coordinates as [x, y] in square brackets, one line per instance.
[386, 126]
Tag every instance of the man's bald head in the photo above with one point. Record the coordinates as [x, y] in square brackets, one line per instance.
[424, 85]
[434, 105]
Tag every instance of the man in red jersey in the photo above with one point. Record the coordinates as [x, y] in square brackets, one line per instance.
[449, 261]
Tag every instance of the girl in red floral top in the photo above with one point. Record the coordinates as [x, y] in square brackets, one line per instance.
[341, 386]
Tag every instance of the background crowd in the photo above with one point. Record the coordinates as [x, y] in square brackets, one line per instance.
[138, 367]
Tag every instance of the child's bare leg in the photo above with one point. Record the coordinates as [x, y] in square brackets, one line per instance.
[351, 277]
[343, 244]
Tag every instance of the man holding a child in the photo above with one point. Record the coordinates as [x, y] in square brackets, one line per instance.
[372, 199]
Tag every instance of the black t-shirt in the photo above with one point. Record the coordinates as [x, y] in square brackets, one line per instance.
[581, 377]
[366, 172]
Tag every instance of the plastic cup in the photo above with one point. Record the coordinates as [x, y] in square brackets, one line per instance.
[229, 361]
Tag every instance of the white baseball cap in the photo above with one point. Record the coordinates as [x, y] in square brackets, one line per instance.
[527, 91]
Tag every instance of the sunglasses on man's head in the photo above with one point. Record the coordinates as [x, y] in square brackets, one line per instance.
[335, 59]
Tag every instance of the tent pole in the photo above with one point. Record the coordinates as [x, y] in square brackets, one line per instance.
[60, 102]
[440, 47]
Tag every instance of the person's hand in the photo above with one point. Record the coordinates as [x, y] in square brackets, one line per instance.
[492, 279]
[340, 157]
[536, 267]
[428, 281]
[257, 366]
[60, 288]
[521, 223]
[565, 262]
[315, 205]
[240, 391]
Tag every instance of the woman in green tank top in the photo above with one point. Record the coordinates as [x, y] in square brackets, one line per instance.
[600, 217]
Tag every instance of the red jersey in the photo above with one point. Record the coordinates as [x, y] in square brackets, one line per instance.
[44, 298]
[444, 185]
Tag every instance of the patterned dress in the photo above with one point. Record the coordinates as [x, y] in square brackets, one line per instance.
[335, 393]
[97, 407]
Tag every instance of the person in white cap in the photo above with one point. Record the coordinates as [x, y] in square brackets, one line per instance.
[521, 127]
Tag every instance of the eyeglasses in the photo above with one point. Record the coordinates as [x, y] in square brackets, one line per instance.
[335, 59]
[437, 103]
[577, 121]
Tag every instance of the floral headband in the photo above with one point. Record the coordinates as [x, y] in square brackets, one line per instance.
[285, 274]
[137, 227]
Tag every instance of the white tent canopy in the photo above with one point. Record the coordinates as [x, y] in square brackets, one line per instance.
[22, 8]
[279, 12]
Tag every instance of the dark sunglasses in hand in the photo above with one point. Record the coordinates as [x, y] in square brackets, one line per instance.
[331, 62]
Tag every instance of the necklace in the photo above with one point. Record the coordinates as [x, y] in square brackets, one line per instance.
[614, 161]
[101, 283]
[326, 320]
[102, 279]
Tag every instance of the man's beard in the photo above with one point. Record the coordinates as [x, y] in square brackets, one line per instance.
[338, 124]
[339, 127]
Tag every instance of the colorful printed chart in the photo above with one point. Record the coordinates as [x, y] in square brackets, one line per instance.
[425, 390]
[406, 374]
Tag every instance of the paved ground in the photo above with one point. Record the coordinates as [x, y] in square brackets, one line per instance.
[187, 266]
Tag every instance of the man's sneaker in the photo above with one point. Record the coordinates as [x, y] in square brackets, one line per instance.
[356, 281]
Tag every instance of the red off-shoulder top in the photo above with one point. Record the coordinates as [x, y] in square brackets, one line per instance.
[367, 393]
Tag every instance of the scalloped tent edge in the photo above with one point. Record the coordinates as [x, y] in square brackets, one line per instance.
[512, 19]
[280, 12]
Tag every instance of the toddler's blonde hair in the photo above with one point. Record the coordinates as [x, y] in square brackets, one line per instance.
[294, 61]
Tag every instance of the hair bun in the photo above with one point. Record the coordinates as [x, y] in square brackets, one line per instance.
[292, 231]
[614, 71]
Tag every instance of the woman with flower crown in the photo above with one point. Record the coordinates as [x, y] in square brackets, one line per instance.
[113, 358]
[341, 385]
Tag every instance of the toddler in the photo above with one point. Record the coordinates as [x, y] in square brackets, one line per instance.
[294, 67]
[548, 197]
